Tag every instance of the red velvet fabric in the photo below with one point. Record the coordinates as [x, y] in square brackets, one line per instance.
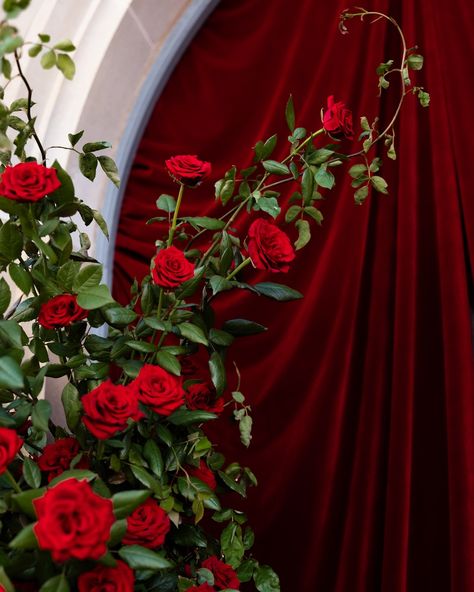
[363, 392]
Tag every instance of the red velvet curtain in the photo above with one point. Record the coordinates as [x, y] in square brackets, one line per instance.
[363, 392]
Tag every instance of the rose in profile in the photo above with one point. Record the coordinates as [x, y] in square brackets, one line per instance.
[73, 521]
[107, 409]
[57, 457]
[188, 169]
[224, 575]
[28, 181]
[61, 311]
[269, 247]
[202, 395]
[171, 268]
[10, 444]
[147, 525]
[119, 578]
[159, 390]
[337, 120]
[203, 473]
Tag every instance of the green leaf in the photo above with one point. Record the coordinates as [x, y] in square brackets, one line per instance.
[35, 50]
[23, 502]
[320, 156]
[245, 428]
[11, 376]
[379, 184]
[11, 241]
[168, 362]
[88, 277]
[65, 193]
[126, 501]
[5, 295]
[79, 474]
[304, 234]
[31, 473]
[142, 558]
[193, 333]
[72, 406]
[110, 169]
[56, 584]
[206, 222]
[266, 580]
[167, 203]
[12, 333]
[152, 455]
[218, 375]
[269, 205]
[44, 37]
[241, 327]
[424, 98]
[220, 337]
[358, 170]
[314, 213]
[25, 539]
[325, 178]
[95, 297]
[307, 184]
[290, 114]
[415, 61]
[275, 167]
[74, 138]
[291, 213]
[40, 415]
[65, 45]
[95, 146]
[278, 292]
[101, 223]
[188, 417]
[220, 284]
[232, 545]
[361, 194]
[118, 316]
[269, 146]
[88, 165]
[391, 153]
[66, 65]
[48, 59]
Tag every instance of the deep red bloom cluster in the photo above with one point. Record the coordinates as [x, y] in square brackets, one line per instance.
[61, 311]
[28, 181]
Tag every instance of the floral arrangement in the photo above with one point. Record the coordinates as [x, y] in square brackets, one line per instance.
[127, 495]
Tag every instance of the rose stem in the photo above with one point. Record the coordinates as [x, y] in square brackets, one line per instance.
[244, 263]
[175, 215]
[10, 477]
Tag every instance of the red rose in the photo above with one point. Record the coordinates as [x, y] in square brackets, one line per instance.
[107, 579]
[108, 408]
[147, 525]
[171, 268]
[73, 521]
[337, 120]
[202, 588]
[203, 396]
[188, 169]
[269, 247]
[57, 457]
[158, 389]
[224, 575]
[10, 444]
[28, 181]
[203, 473]
[61, 311]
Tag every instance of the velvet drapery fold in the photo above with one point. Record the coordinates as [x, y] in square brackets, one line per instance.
[362, 393]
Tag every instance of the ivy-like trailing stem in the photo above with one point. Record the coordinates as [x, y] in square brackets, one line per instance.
[379, 16]
[12, 480]
[303, 144]
[244, 263]
[28, 109]
[175, 215]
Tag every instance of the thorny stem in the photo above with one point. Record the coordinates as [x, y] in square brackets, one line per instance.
[28, 109]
